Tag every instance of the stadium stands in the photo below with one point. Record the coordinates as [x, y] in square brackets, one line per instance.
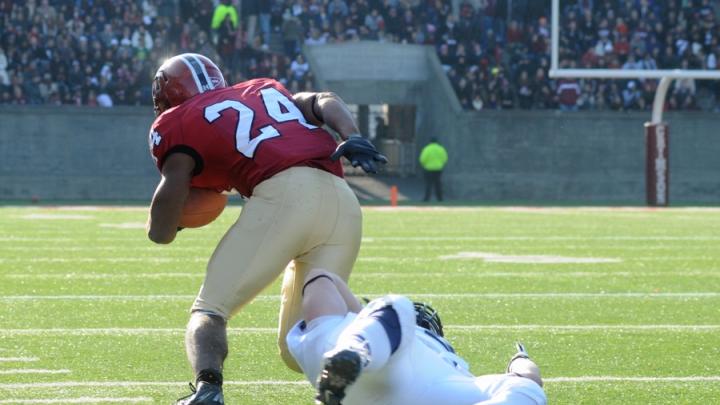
[495, 52]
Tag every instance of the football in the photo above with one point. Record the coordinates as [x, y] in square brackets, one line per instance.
[202, 207]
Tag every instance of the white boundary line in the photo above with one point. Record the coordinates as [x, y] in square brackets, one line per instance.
[273, 330]
[450, 296]
[115, 384]
[80, 400]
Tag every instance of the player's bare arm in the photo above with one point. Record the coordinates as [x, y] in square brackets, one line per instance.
[167, 203]
[325, 293]
[327, 108]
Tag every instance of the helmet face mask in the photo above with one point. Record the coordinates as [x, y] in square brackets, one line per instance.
[183, 77]
[428, 318]
[160, 103]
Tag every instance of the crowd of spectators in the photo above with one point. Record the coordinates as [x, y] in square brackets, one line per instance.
[495, 52]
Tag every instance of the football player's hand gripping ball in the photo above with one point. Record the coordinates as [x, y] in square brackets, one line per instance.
[360, 152]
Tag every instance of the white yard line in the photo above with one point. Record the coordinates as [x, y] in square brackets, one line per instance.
[372, 239]
[521, 274]
[128, 208]
[363, 259]
[80, 400]
[273, 330]
[101, 276]
[18, 359]
[141, 246]
[586, 379]
[565, 295]
[33, 371]
[527, 259]
[117, 384]
[196, 259]
[123, 225]
[538, 238]
[55, 216]
[105, 297]
[450, 296]
[83, 247]
[417, 274]
[679, 327]
[117, 331]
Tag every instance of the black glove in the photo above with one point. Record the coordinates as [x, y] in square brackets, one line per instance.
[360, 152]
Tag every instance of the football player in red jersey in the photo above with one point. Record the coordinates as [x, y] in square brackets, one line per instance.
[267, 144]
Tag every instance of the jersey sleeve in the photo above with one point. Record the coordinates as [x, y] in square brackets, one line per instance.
[167, 137]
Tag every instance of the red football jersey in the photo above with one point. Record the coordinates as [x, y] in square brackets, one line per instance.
[242, 135]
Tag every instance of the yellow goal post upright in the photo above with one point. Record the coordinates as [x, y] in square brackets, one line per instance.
[656, 130]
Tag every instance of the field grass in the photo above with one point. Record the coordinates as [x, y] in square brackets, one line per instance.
[94, 313]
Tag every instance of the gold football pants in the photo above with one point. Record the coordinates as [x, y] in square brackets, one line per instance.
[302, 215]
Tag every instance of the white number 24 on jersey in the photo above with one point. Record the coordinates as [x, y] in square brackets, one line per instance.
[272, 99]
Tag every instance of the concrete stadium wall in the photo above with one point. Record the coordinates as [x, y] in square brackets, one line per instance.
[75, 153]
[72, 153]
[576, 157]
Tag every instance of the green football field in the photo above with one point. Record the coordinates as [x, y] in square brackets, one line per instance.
[617, 306]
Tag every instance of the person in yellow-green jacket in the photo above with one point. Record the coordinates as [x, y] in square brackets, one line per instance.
[223, 9]
[433, 158]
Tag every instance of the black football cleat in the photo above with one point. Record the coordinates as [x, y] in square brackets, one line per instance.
[341, 370]
[205, 394]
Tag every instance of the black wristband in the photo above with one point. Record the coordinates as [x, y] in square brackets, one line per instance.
[313, 279]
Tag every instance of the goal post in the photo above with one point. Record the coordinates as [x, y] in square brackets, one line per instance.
[657, 169]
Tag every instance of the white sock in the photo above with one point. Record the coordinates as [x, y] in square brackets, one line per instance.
[367, 336]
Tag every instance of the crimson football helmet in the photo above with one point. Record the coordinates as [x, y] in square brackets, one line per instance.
[182, 77]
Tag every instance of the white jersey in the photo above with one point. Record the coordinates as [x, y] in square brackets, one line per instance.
[423, 371]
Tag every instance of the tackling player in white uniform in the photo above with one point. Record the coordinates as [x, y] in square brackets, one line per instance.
[392, 352]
